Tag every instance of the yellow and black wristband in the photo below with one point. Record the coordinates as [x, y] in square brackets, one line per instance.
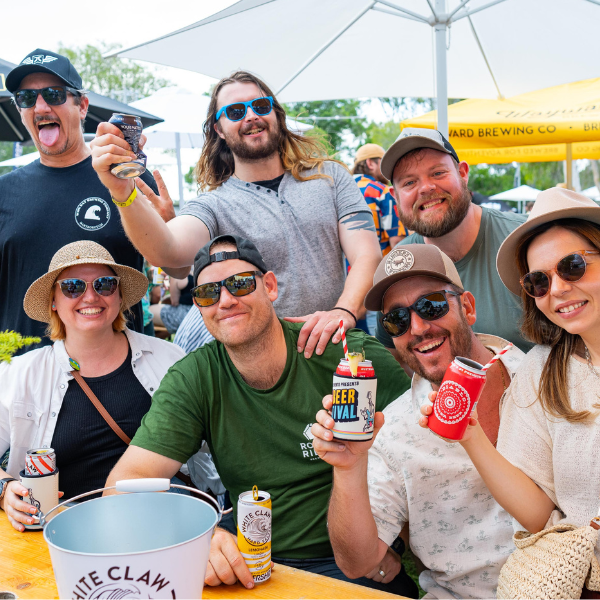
[129, 200]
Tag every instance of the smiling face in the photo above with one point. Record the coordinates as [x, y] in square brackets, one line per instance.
[90, 312]
[431, 192]
[428, 347]
[238, 320]
[254, 137]
[573, 306]
[55, 130]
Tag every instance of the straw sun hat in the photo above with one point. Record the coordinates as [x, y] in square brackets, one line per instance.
[550, 205]
[37, 299]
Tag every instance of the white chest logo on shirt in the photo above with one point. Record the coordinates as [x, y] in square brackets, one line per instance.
[398, 260]
[92, 214]
[306, 448]
[452, 403]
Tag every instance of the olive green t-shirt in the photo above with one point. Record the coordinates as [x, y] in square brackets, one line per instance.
[499, 312]
[263, 437]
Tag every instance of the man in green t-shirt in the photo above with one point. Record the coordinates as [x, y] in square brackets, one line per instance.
[430, 186]
[253, 398]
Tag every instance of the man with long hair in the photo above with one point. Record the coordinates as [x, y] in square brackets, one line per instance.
[263, 182]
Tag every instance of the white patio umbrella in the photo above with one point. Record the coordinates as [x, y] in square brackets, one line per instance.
[328, 49]
[184, 114]
[520, 194]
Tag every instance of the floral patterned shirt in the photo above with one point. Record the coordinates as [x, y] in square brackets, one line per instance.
[459, 532]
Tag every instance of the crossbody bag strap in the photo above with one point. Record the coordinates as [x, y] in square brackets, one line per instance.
[105, 414]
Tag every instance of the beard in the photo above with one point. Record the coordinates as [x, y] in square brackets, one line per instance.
[460, 341]
[245, 151]
[456, 212]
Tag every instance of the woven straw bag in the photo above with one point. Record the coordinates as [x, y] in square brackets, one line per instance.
[554, 563]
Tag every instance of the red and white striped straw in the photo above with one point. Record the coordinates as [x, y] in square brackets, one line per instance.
[497, 357]
[343, 334]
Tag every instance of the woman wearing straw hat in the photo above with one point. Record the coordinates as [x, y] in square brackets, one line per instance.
[83, 298]
[547, 466]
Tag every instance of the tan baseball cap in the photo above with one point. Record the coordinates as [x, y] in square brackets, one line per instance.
[410, 260]
[368, 151]
[410, 139]
[550, 205]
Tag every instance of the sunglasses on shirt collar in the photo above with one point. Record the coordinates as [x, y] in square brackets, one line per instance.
[429, 307]
[237, 111]
[53, 96]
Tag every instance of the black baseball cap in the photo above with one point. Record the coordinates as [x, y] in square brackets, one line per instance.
[246, 250]
[44, 61]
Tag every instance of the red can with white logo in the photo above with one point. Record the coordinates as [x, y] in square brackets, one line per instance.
[40, 461]
[457, 398]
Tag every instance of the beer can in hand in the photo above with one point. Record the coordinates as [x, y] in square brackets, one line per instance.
[254, 532]
[354, 397]
[457, 398]
[131, 127]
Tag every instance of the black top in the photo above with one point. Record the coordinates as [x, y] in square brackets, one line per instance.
[271, 184]
[85, 445]
[186, 293]
[41, 210]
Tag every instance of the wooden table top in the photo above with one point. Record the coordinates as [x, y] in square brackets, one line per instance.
[26, 570]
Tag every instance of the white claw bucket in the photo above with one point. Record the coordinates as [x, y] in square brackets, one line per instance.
[134, 545]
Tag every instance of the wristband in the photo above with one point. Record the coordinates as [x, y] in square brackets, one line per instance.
[346, 310]
[129, 200]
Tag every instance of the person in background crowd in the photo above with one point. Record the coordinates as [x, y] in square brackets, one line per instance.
[171, 315]
[545, 469]
[58, 198]
[148, 316]
[253, 398]
[82, 300]
[407, 477]
[430, 187]
[270, 185]
[374, 187]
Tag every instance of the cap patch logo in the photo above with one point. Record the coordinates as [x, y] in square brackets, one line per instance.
[38, 59]
[398, 260]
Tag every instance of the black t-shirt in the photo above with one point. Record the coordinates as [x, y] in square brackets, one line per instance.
[41, 210]
[85, 445]
[271, 184]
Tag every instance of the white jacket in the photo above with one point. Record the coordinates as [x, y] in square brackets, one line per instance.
[32, 388]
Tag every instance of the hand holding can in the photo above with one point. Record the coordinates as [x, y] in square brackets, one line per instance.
[131, 127]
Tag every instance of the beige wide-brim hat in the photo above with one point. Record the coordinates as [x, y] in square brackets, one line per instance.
[550, 205]
[37, 299]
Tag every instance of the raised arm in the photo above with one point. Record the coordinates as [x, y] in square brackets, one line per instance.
[172, 244]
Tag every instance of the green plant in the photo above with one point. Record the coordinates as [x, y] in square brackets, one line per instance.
[11, 342]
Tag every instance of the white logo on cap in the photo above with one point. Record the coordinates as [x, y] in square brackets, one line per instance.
[398, 260]
[38, 59]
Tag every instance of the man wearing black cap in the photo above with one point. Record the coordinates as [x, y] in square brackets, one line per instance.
[253, 398]
[430, 186]
[57, 199]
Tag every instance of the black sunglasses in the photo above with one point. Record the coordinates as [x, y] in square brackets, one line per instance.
[429, 307]
[240, 284]
[53, 96]
[569, 268]
[103, 286]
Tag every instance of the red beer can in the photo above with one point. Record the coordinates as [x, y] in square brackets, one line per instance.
[354, 401]
[40, 461]
[457, 398]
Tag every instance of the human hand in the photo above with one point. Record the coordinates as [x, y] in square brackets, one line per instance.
[427, 409]
[319, 327]
[19, 512]
[225, 562]
[162, 203]
[337, 453]
[108, 148]
[390, 566]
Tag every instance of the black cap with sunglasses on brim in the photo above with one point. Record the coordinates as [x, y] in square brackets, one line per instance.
[246, 250]
[44, 61]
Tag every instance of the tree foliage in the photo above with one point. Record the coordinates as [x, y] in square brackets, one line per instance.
[113, 77]
[11, 342]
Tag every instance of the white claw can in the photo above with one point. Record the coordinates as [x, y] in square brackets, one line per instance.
[254, 532]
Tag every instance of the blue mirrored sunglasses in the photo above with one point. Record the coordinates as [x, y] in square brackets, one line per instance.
[237, 111]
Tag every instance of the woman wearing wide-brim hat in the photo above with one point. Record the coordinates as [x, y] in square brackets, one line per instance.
[83, 298]
[547, 466]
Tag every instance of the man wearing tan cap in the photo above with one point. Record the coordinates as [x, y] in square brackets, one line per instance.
[430, 185]
[408, 475]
